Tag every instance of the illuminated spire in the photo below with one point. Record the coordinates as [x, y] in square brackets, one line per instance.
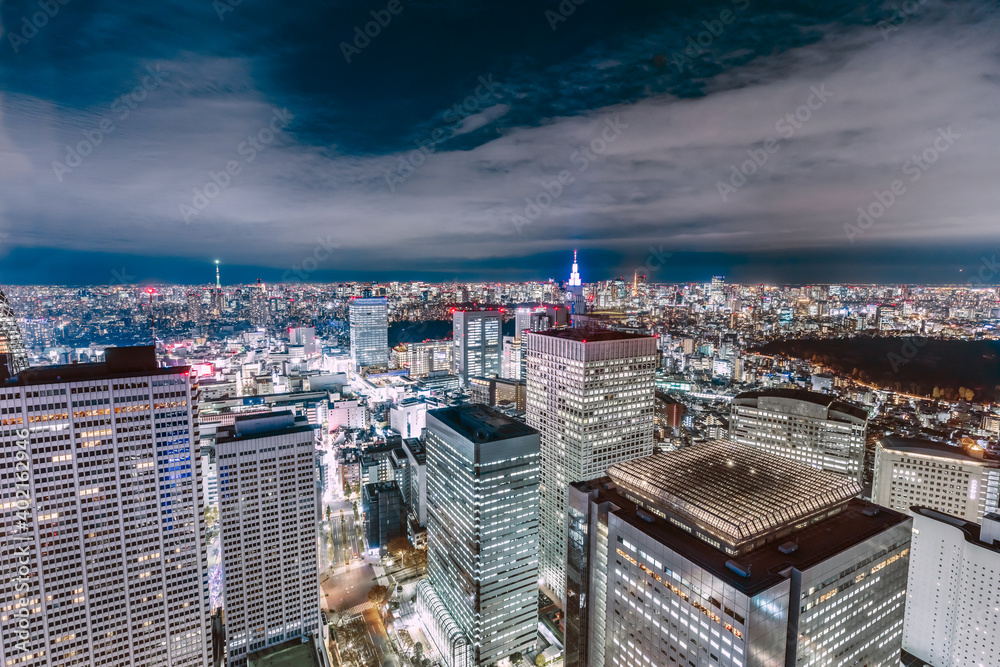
[218, 285]
[574, 277]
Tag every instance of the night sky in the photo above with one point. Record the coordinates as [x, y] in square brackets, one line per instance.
[143, 140]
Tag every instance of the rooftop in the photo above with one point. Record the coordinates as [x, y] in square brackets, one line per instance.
[815, 543]
[119, 362]
[734, 492]
[481, 423]
[971, 531]
[807, 396]
[588, 335]
[293, 653]
[929, 448]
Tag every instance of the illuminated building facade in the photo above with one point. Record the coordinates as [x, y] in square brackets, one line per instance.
[958, 481]
[953, 597]
[102, 517]
[721, 554]
[268, 514]
[803, 426]
[590, 395]
[426, 357]
[11, 341]
[369, 332]
[480, 601]
[477, 342]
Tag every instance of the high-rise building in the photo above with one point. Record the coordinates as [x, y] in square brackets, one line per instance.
[194, 306]
[11, 341]
[477, 343]
[268, 513]
[304, 336]
[723, 554]
[958, 481]
[479, 602]
[575, 300]
[590, 395]
[369, 332]
[385, 514]
[953, 597]
[805, 426]
[426, 357]
[102, 516]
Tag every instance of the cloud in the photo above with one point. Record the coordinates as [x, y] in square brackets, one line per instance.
[657, 183]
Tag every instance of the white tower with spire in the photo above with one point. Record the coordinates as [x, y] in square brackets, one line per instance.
[574, 292]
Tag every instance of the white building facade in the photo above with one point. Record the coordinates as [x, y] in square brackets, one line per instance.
[369, 332]
[268, 516]
[477, 341]
[953, 599]
[954, 480]
[803, 426]
[591, 396]
[102, 517]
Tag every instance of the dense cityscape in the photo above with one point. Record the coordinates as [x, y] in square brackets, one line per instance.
[499, 333]
[559, 413]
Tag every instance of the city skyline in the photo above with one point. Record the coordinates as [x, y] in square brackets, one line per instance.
[734, 138]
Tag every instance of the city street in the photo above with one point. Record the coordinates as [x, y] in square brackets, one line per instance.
[347, 589]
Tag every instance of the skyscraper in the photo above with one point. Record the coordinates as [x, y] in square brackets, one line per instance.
[102, 516]
[11, 341]
[369, 332]
[953, 597]
[804, 426]
[723, 554]
[574, 293]
[961, 482]
[477, 343]
[268, 514]
[590, 395]
[480, 599]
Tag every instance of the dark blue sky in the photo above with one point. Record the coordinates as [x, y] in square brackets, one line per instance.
[738, 137]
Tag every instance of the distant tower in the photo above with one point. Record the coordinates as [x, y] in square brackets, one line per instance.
[218, 284]
[574, 291]
[11, 341]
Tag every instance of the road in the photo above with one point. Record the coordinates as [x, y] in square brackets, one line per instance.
[378, 636]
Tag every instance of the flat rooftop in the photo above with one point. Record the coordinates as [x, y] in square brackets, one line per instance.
[588, 335]
[931, 448]
[733, 491]
[816, 542]
[816, 398]
[481, 423]
[293, 653]
[119, 362]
